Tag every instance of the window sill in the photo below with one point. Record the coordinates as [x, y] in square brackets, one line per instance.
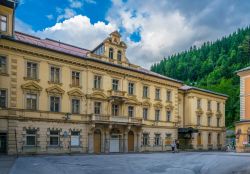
[55, 83]
[33, 79]
[75, 86]
[147, 98]
[4, 74]
[97, 89]
[158, 99]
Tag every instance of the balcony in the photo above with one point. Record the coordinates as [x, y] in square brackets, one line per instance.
[114, 93]
[115, 119]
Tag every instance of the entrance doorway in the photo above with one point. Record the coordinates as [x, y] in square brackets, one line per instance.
[131, 141]
[97, 141]
[114, 144]
[3, 143]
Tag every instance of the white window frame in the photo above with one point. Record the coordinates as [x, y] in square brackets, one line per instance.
[131, 88]
[73, 107]
[32, 76]
[145, 117]
[26, 100]
[75, 135]
[73, 80]
[157, 139]
[97, 82]
[59, 103]
[131, 111]
[115, 84]
[3, 21]
[115, 109]
[157, 93]
[5, 71]
[143, 91]
[98, 107]
[157, 114]
[50, 73]
[169, 96]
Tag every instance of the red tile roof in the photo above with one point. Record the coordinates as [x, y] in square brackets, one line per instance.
[51, 44]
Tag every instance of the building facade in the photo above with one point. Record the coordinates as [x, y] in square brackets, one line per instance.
[243, 126]
[59, 98]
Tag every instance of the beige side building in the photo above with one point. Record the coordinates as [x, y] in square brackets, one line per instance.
[59, 98]
[243, 126]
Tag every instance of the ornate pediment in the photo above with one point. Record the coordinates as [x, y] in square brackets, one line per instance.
[169, 107]
[55, 90]
[146, 103]
[98, 95]
[76, 92]
[132, 101]
[218, 114]
[158, 105]
[31, 86]
[209, 113]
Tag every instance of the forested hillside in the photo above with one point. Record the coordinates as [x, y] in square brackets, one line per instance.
[212, 66]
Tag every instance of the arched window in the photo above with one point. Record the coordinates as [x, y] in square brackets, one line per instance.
[111, 52]
[119, 55]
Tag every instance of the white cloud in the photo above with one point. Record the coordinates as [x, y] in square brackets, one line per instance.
[75, 3]
[78, 31]
[50, 16]
[67, 13]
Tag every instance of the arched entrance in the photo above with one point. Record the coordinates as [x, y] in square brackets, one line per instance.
[97, 141]
[114, 145]
[131, 141]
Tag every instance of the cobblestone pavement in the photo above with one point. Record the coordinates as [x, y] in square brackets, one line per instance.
[151, 163]
[6, 163]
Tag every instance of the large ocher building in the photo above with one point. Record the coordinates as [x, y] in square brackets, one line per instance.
[243, 126]
[59, 98]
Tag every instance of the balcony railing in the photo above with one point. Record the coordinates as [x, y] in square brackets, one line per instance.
[115, 119]
[115, 93]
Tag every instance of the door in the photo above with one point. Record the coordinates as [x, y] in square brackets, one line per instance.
[131, 141]
[114, 143]
[3, 142]
[97, 141]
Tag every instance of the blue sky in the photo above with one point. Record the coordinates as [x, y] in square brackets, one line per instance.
[152, 29]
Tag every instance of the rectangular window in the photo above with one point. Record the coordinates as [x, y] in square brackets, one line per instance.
[168, 116]
[97, 109]
[97, 82]
[209, 138]
[145, 139]
[199, 139]
[55, 74]
[75, 78]
[54, 104]
[131, 111]
[198, 120]
[169, 96]
[54, 138]
[168, 139]
[115, 110]
[32, 70]
[208, 121]
[3, 98]
[131, 87]
[75, 106]
[145, 113]
[218, 122]
[209, 105]
[157, 115]
[3, 23]
[3, 64]
[218, 107]
[30, 137]
[31, 101]
[198, 103]
[115, 84]
[157, 94]
[157, 139]
[145, 92]
[218, 139]
[75, 138]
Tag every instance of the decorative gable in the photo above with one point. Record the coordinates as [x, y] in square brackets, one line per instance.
[169, 107]
[76, 92]
[31, 86]
[98, 95]
[132, 101]
[55, 90]
[146, 103]
[158, 105]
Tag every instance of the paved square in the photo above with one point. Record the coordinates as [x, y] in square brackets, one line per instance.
[179, 163]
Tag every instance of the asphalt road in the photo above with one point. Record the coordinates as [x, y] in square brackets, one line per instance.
[154, 163]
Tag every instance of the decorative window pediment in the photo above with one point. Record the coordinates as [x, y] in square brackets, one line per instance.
[55, 90]
[199, 111]
[98, 95]
[76, 92]
[209, 113]
[158, 105]
[146, 103]
[31, 86]
[169, 107]
[132, 101]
